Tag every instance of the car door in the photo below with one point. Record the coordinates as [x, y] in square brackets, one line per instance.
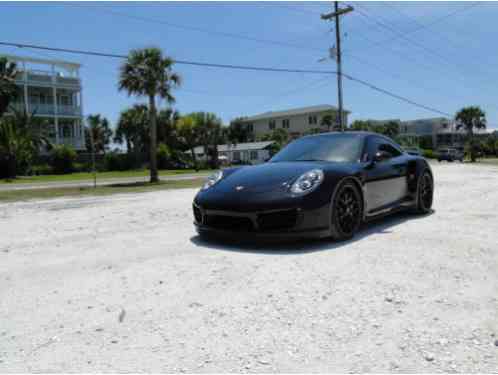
[386, 179]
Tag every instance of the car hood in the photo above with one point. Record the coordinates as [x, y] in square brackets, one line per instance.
[272, 176]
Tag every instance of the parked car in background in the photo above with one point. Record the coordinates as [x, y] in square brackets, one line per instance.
[450, 154]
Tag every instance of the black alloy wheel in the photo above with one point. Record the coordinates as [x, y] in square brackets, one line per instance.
[425, 193]
[347, 211]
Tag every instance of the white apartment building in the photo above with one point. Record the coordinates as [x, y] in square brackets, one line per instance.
[297, 121]
[441, 130]
[51, 90]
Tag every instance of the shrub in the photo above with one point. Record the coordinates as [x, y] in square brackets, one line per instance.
[62, 159]
[429, 154]
[163, 156]
[114, 161]
[41, 169]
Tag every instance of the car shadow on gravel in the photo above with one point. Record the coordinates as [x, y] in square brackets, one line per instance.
[292, 247]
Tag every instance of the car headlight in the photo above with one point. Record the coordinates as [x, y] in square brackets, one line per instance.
[307, 182]
[211, 180]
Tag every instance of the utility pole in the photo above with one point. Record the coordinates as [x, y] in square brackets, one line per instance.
[336, 14]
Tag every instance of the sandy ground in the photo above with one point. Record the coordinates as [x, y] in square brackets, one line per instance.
[122, 283]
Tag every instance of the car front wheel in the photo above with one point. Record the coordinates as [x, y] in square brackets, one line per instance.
[347, 211]
[425, 193]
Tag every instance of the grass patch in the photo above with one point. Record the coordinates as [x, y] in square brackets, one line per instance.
[490, 161]
[81, 176]
[136, 187]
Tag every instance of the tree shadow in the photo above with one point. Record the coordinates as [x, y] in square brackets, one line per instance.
[286, 247]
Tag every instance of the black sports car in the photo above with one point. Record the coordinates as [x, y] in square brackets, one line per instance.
[317, 186]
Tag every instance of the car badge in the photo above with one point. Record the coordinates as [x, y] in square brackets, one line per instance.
[239, 188]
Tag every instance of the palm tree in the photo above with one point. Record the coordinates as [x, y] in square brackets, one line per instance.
[167, 120]
[99, 129]
[133, 129]
[210, 134]
[188, 134]
[148, 73]
[21, 138]
[238, 131]
[471, 118]
[331, 120]
[8, 90]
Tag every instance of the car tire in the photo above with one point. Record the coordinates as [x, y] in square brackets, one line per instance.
[425, 193]
[346, 211]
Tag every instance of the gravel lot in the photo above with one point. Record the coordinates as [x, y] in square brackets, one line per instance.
[122, 283]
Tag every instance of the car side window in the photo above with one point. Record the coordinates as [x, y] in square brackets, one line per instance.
[387, 147]
[376, 144]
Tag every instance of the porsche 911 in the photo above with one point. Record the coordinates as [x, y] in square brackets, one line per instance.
[323, 185]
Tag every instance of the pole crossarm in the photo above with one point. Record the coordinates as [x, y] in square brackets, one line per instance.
[340, 12]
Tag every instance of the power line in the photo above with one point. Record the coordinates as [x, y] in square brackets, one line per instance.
[179, 62]
[424, 26]
[382, 23]
[197, 29]
[233, 35]
[233, 67]
[402, 98]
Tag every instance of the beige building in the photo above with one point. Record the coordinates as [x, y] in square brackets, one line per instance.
[297, 121]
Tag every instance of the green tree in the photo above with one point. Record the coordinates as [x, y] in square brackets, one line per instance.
[210, 133]
[148, 73]
[62, 159]
[238, 131]
[362, 125]
[21, 139]
[100, 129]
[279, 136]
[390, 129]
[133, 130]
[471, 118]
[331, 120]
[8, 90]
[188, 134]
[167, 120]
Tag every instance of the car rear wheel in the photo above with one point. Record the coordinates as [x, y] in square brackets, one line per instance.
[425, 193]
[347, 211]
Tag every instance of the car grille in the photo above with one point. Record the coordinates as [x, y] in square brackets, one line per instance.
[232, 223]
[277, 220]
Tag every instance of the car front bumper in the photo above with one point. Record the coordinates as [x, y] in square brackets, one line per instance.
[292, 222]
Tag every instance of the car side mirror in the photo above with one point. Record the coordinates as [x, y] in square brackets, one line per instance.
[381, 156]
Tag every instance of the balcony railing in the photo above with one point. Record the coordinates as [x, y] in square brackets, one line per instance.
[40, 76]
[42, 109]
[68, 80]
[68, 110]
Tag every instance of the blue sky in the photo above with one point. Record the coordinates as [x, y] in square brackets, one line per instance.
[438, 54]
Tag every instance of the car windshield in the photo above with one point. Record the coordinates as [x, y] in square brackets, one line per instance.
[336, 148]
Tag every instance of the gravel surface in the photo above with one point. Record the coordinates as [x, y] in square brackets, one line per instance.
[122, 283]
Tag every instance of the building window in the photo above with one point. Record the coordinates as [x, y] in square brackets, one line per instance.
[236, 155]
[271, 124]
[285, 123]
[312, 120]
[254, 155]
[250, 127]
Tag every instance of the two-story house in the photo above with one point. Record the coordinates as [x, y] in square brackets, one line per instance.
[296, 122]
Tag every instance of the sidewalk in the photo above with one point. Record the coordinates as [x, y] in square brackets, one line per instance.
[100, 182]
